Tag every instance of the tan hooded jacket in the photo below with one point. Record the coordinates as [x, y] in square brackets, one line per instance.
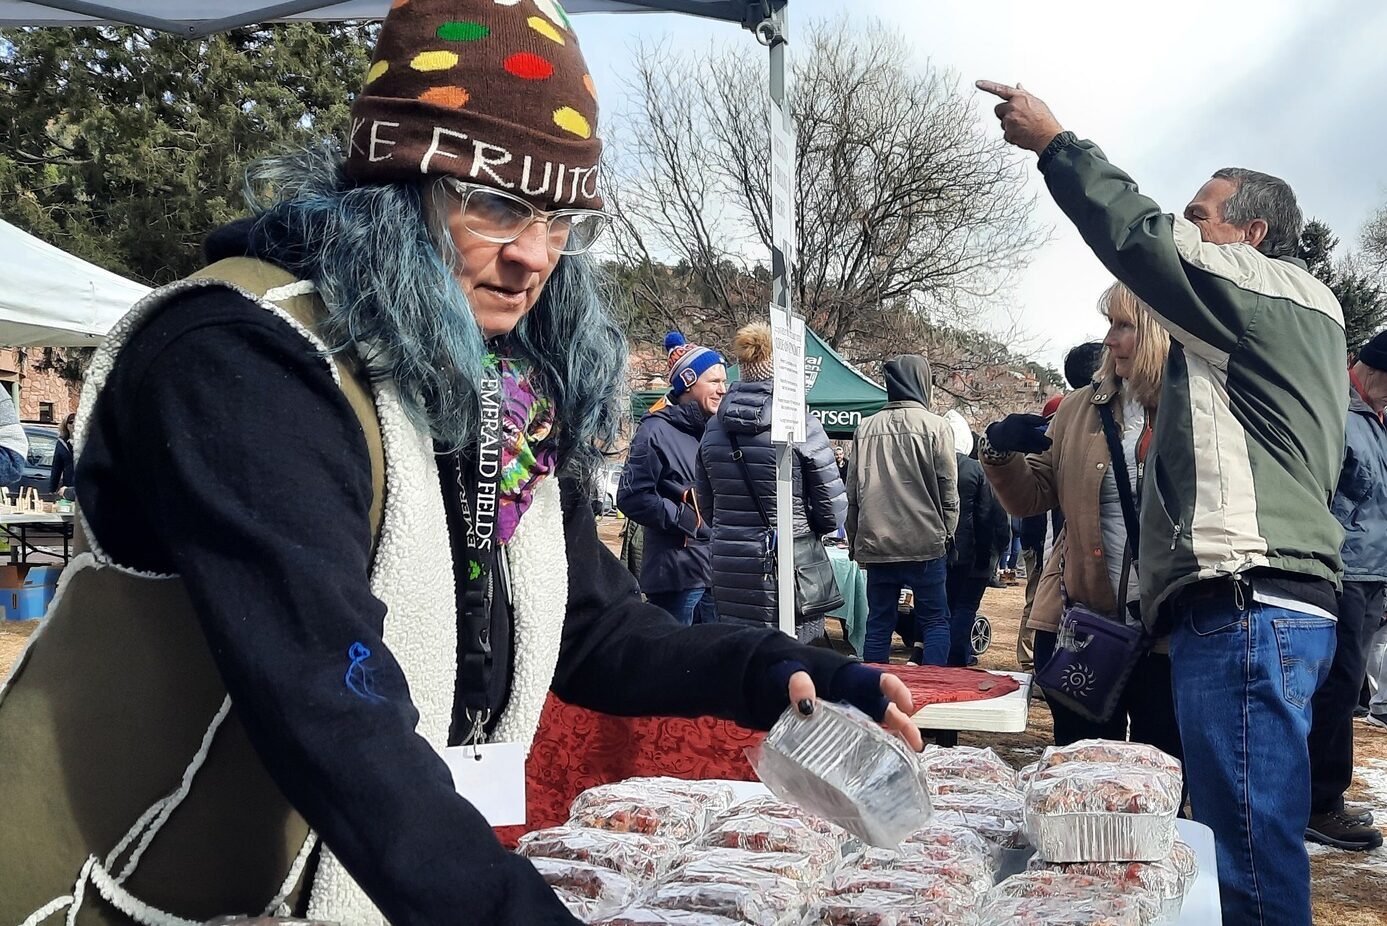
[903, 476]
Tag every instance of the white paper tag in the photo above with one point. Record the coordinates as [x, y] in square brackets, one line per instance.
[492, 779]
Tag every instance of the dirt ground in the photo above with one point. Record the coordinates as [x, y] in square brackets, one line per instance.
[1347, 889]
[1347, 886]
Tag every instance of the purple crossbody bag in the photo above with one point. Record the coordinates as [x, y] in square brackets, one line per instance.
[1095, 654]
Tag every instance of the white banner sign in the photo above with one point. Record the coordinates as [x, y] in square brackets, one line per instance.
[783, 182]
[788, 407]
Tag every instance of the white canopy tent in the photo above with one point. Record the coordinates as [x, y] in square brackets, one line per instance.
[200, 18]
[50, 298]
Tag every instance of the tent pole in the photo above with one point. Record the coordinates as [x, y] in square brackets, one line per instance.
[771, 32]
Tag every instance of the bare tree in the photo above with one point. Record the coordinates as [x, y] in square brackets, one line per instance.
[907, 206]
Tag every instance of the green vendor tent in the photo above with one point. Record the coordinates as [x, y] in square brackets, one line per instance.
[839, 396]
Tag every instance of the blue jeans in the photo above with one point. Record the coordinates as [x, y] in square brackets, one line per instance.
[688, 606]
[965, 597]
[927, 581]
[1243, 678]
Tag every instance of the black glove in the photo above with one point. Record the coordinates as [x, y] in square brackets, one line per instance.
[1018, 434]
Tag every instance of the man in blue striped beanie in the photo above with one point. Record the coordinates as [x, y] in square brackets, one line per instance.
[657, 485]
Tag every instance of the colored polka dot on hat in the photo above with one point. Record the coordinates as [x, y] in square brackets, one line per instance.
[529, 66]
[434, 61]
[452, 97]
[377, 69]
[570, 120]
[543, 27]
[462, 31]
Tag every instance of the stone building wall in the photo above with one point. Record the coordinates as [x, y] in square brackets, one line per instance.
[43, 394]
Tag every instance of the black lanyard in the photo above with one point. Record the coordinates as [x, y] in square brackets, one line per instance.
[479, 495]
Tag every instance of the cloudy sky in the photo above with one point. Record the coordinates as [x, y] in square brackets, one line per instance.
[1171, 91]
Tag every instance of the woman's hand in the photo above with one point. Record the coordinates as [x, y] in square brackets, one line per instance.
[899, 709]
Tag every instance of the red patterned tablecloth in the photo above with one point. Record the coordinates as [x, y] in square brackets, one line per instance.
[576, 749]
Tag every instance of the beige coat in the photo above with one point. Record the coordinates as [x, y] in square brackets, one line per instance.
[902, 486]
[1068, 475]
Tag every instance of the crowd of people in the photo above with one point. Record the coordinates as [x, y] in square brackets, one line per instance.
[411, 335]
[1203, 519]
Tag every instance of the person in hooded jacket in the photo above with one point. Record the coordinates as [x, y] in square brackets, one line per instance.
[744, 583]
[657, 485]
[903, 510]
[983, 534]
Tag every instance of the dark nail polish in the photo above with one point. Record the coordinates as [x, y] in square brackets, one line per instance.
[806, 706]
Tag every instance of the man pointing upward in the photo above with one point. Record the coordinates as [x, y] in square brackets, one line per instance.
[1239, 551]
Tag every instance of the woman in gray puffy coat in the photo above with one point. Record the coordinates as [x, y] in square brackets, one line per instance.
[741, 587]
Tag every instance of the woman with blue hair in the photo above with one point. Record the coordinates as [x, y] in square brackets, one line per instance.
[335, 523]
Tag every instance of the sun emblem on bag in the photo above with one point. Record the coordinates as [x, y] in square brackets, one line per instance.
[1078, 680]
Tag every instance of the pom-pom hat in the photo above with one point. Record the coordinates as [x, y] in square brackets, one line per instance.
[494, 92]
[687, 362]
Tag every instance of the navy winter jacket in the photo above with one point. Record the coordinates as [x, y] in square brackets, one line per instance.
[740, 584]
[657, 492]
[1360, 501]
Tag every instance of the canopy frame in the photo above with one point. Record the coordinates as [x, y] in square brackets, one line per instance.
[753, 13]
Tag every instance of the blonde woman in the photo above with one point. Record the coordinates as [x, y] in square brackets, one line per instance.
[1070, 467]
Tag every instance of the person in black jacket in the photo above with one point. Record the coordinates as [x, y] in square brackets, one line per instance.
[657, 485]
[983, 533]
[743, 545]
[417, 343]
[60, 478]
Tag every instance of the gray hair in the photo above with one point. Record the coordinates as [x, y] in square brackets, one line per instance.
[1271, 199]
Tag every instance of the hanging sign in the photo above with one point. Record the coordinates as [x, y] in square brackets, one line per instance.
[788, 405]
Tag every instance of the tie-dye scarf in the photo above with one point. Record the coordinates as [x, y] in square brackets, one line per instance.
[527, 453]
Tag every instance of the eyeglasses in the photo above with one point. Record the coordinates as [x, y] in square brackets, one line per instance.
[499, 217]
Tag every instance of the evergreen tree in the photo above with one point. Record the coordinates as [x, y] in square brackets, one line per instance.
[1360, 293]
[126, 146]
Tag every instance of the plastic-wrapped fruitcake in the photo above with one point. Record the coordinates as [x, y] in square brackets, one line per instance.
[759, 833]
[887, 908]
[749, 902]
[668, 807]
[635, 855]
[921, 884]
[1117, 910]
[653, 916]
[1115, 752]
[1042, 883]
[970, 763]
[1097, 812]
[595, 891]
[793, 866]
[997, 817]
[1168, 879]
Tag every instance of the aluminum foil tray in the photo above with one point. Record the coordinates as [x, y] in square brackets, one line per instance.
[839, 765]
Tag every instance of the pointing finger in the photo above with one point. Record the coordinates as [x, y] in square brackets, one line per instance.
[1005, 91]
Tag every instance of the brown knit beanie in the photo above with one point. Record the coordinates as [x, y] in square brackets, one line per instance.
[493, 92]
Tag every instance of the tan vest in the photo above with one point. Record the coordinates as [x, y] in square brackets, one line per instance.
[133, 794]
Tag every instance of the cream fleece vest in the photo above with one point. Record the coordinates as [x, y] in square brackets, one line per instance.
[412, 574]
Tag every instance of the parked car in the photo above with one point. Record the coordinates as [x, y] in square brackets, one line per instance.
[38, 468]
[604, 489]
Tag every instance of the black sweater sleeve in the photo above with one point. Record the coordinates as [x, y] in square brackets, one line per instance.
[255, 485]
[622, 656]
